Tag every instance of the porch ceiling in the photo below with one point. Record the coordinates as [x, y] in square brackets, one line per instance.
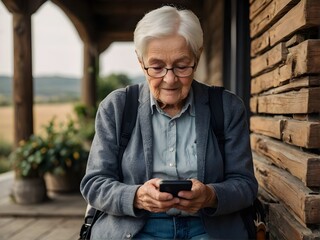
[105, 21]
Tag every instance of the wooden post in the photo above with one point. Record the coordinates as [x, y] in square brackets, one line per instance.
[22, 73]
[90, 74]
[22, 77]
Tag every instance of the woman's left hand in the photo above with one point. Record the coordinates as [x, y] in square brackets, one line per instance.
[199, 197]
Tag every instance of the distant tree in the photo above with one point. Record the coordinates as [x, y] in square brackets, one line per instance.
[111, 82]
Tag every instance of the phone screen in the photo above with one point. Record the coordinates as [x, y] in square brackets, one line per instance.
[175, 186]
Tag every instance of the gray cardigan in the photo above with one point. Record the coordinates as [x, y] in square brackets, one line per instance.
[233, 180]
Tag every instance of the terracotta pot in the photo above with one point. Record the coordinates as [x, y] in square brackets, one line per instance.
[29, 190]
[62, 183]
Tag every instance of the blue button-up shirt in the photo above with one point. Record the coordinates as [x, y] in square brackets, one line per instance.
[174, 142]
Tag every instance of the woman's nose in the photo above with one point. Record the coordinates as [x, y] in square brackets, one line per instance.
[170, 77]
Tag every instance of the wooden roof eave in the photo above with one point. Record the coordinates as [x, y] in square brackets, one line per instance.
[81, 16]
[22, 6]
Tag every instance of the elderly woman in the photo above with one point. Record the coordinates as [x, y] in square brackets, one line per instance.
[171, 140]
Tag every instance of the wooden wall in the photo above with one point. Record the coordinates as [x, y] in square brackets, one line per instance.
[213, 42]
[285, 103]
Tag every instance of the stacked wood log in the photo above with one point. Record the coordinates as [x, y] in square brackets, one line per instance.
[285, 106]
[212, 55]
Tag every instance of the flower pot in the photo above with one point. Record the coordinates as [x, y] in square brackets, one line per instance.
[70, 182]
[29, 190]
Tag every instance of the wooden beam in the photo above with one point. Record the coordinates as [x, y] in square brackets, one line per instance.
[294, 84]
[304, 202]
[106, 38]
[305, 166]
[293, 102]
[299, 133]
[267, 126]
[305, 57]
[260, 44]
[254, 104]
[110, 25]
[90, 74]
[82, 17]
[304, 15]
[257, 6]
[23, 6]
[22, 78]
[295, 40]
[269, 59]
[141, 7]
[22, 75]
[302, 59]
[283, 224]
[268, 16]
[266, 197]
[109, 16]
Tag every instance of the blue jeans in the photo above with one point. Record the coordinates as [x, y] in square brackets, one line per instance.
[163, 226]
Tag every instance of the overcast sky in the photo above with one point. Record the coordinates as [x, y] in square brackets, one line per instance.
[57, 48]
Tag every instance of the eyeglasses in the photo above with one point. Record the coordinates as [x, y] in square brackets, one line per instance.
[159, 72]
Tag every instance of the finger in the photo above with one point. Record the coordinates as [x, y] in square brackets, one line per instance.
[157, 195]
[153, 190]
[160, 206]
[196, 185]
[153, 199]
[189, 195]
[188, 209]
[191, 206]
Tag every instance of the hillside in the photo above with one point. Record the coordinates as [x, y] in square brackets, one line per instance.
[46, 88]
[49, 88]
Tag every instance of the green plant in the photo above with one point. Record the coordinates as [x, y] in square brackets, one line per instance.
[86, 117]
[65, 149]
[4, 165]
[109, 83]
[58, 152]
[5, 150]
[28, 159]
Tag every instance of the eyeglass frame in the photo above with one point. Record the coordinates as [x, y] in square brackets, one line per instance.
[167, 69]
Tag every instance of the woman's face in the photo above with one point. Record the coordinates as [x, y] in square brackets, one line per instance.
[169, 52]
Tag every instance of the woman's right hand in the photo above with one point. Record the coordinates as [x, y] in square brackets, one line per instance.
[148, 197]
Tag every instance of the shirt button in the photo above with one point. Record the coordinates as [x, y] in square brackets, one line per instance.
[128, 235]
[171, 149]
[171, 164]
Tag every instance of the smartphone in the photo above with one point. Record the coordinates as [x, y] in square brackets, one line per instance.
[175, 186]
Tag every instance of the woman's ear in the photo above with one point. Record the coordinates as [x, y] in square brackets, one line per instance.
[139, 59]
[199, 54]
[198, 58]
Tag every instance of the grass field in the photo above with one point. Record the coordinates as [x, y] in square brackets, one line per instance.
[42, 114]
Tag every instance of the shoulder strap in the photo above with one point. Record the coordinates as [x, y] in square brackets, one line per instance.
[129, 117]
[128, 121]
[255, 211]
[217, 115]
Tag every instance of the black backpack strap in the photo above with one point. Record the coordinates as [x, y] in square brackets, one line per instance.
[217, 115]
[128, 122]
[129, 117]
[217, 125]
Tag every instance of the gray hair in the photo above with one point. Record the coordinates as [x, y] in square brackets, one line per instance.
[166, 21]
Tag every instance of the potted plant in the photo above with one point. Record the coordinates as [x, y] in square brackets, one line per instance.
[86, 117]
[66, 157]
[29, 165]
